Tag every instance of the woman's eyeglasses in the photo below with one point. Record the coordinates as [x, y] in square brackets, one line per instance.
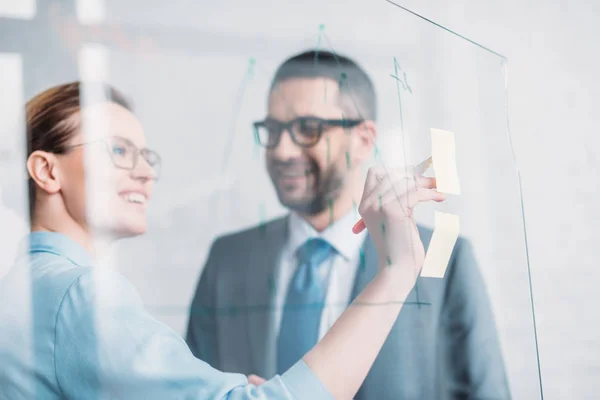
[125, 155]
[305, 131]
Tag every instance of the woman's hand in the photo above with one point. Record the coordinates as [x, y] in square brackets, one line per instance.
[256, 380]
[387, 211]
[342, 359]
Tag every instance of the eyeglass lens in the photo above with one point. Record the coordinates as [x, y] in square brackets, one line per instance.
[124, 154]
[305, 132]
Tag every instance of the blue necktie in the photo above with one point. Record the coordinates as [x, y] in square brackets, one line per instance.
[299, 330]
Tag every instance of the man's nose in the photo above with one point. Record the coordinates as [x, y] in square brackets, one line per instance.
[286, 148]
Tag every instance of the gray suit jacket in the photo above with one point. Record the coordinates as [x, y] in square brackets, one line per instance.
[443, 346]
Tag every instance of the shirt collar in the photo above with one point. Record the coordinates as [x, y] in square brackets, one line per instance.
[339, 234]
[56, 243]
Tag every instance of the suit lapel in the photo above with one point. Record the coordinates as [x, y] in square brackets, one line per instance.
[260, 291]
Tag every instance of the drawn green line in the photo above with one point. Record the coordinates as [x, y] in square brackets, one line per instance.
[251, 64]
[316, 60]
[330, 212]
[363, 263]
[256, 137]
[236, 112]
[233, 310]
[342, 80]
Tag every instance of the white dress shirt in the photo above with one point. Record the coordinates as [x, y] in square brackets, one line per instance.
[343, 265]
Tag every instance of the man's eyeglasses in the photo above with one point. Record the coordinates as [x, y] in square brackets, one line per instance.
[305, 131]
[125, 155]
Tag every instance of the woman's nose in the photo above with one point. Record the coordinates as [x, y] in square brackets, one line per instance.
[144, 171]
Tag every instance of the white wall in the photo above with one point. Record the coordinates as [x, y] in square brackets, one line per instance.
[553, 48]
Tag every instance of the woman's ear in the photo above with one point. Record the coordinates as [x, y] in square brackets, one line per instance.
[43, 169]
[364, 142]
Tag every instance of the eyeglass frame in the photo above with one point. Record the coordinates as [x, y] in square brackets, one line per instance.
[136, 154]
[345, 123]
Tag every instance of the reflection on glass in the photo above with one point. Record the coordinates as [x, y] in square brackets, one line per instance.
[262, 156]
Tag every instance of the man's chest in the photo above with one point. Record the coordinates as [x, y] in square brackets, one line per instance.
[338, 276]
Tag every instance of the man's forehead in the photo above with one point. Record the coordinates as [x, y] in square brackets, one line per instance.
[301, 96]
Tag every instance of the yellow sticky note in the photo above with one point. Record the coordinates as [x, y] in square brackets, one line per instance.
[443, 152]
[441, 245]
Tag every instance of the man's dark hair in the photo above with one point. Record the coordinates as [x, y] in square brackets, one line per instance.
[357, 94]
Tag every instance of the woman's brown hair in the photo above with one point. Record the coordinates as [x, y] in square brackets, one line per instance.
[49, 119]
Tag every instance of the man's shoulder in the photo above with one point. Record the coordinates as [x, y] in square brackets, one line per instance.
[268, 232]
[425, 232]
[231, 252]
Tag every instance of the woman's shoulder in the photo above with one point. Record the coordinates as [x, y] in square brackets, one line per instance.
[101, 287]
[52, 275]
[58, 280]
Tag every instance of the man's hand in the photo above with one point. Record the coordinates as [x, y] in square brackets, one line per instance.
[256, 380]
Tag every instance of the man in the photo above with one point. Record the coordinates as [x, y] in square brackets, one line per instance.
[318, 134]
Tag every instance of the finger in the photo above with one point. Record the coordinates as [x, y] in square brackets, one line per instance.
[426, 183]
[395, 185]
[405, 198]
[386, 179]
[372, 179]
[378, 201]
[418, 181]
[410, 199]
[374, 176]
[382, 186]
[430, 195]
[398, 180]
[423, 166]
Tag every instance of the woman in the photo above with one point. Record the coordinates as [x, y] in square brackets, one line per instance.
[81, 332]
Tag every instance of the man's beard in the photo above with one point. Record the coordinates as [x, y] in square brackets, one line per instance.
[325, 189]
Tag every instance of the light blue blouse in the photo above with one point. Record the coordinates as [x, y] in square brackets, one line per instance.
[72, 331]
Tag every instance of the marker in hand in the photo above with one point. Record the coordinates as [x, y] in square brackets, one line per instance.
[419, 169]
